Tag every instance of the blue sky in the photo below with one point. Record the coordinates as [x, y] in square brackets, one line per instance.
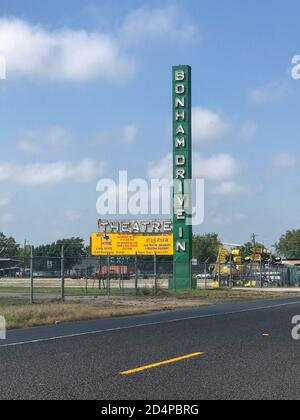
[88, 92]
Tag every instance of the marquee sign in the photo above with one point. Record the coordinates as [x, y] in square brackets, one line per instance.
[120, 244]
[182, 175]
[135, 226]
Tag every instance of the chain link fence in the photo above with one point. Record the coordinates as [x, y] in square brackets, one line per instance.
[50, 277]
[245, 275]
[40, 278]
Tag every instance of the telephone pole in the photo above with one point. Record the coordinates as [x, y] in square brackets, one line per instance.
[254, 241]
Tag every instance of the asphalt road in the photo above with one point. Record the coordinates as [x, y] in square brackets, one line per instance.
[247, 352]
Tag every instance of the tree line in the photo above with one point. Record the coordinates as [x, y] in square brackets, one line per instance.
[205, 248]
[50, 254]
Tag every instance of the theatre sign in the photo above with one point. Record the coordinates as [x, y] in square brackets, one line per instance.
[130, 244]
[133, 237]
[162, 237]
[182, 167]
[135, 226]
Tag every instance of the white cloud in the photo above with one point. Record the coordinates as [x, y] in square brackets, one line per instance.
[215, 168]
[161, 169]
[229, 188]
[271, 92]
[162, 23]
[248, 131]
[63, 54]
[207, 125]
[5, 199]
[53, 139]
[43, 174]
[130, 133]
[285, 160]
[2, 68]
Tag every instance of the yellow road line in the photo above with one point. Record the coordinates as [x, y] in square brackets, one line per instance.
[266, 335]
[166, 362]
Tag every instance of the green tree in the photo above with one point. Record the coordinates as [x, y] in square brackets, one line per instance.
[289, 244]
[9, 252]
[247, 249]
[74, 251]
[8, 246]
[206, 247]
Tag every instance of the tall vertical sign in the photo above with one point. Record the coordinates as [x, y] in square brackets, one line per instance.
[182, 175]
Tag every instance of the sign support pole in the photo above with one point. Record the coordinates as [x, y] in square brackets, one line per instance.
[155, 272]
[136, 274]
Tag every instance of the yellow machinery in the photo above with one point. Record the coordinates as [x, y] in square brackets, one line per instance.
[231, 266]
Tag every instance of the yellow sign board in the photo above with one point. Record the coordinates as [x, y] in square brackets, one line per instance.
[131, 244]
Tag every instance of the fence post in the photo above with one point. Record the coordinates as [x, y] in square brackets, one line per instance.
[261, 274]
[175, 275]
[136, 274]
[62, 267]
[86, 274]
[108, 275]
[155, 273]
[231, 276]
[31, 275]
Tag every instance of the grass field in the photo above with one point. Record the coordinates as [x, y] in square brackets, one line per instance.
[20, 314]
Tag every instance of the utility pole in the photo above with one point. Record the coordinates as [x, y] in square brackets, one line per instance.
[254, 242]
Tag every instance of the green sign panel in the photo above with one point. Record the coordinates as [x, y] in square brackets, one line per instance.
[182, 164]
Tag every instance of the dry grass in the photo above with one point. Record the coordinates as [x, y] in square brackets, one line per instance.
[20, 314]
[24, 315]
